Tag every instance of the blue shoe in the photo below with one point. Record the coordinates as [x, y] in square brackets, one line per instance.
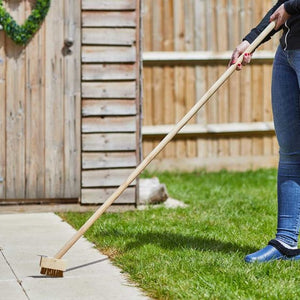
[274, 251]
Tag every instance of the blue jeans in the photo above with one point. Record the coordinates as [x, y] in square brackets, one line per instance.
[286, 113]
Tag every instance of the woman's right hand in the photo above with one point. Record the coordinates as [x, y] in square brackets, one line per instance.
[239, 50]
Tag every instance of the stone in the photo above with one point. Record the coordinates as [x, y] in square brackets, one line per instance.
[152, 191]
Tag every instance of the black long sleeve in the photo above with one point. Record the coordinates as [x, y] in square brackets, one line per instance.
[292, 7]
[254, 33]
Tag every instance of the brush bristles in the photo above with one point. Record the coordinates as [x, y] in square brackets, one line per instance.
[52, 272]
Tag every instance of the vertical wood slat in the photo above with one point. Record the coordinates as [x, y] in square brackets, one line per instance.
[201, 84]
[2, 116]
[71, 99]
[179, 72]
[54, 109]
[147, 72]
[234, 102]
[15, 112]
[190, 89]
[168, 73]
[35, 114]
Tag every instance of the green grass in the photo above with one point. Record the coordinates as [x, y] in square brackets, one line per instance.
[197, 252]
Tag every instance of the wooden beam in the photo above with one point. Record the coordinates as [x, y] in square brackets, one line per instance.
[208, 129]
[199, 57]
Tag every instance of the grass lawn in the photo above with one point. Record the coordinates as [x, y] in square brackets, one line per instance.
[197, 252]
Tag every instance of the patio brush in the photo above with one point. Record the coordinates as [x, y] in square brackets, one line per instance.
[55, 266]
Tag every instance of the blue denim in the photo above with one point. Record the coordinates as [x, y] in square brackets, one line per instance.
[286, 113]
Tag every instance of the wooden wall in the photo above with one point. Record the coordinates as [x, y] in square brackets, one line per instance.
[234, 130]
[40, 107]
[110, 97]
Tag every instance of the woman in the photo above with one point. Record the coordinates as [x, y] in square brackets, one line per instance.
[286, 114]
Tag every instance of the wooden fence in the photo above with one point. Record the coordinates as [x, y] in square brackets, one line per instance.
[187, 45]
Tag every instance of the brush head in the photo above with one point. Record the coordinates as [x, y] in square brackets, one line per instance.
[52, 272]
[52, 266]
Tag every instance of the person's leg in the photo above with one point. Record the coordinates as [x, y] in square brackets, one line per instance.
[286, 113]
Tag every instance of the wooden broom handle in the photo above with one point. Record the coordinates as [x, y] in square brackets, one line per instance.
[162, 144]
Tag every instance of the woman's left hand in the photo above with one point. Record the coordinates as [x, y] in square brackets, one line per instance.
[280, 16]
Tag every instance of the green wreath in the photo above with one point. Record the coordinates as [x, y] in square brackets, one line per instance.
[21, 34]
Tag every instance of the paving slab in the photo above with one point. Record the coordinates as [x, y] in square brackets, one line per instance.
[90, 274]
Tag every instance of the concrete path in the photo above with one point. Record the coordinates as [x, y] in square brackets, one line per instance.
[90, 275]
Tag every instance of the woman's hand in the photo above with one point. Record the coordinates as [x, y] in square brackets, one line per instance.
[280, 16]
[239, 50]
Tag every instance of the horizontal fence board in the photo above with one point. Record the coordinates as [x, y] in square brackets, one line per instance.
[94, 72]
[109, 142]
[105, 177]
[108, 54]
[108, 107]
[124, 89]
[108, 160]
[181, 57]
[109, 124]
[108, 36]
[199, 129]
[109, 19]
[212, 164]
[108, 4]
[97, 196]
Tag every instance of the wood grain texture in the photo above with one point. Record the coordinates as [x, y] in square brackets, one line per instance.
[109, 124]
[94, 72]
[108, 54]
[98, 196]
[109, 19]
[15, 111]
[105, 177]
[105, 89]
[2, 117]
[108, 36]
[104, 160]
[105, 107]
[40, 107]
[118, 5]
[108, 142]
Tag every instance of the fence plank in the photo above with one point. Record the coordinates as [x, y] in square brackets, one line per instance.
[105, 177]
[109, 160]
[2, 116]
[108, 142]
[94, 196]
[93, 72]
[54, 112]
[35, 115]
[108, 107]
[126, 89]
[72, 101]
[109, 124]
[15, 111]
[108, 19]
[108, 36]
[108, 4]
[108, 54]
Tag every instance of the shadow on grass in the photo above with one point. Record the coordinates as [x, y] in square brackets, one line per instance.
[172, 241]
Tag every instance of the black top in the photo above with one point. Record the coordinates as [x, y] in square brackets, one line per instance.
[290, 39]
